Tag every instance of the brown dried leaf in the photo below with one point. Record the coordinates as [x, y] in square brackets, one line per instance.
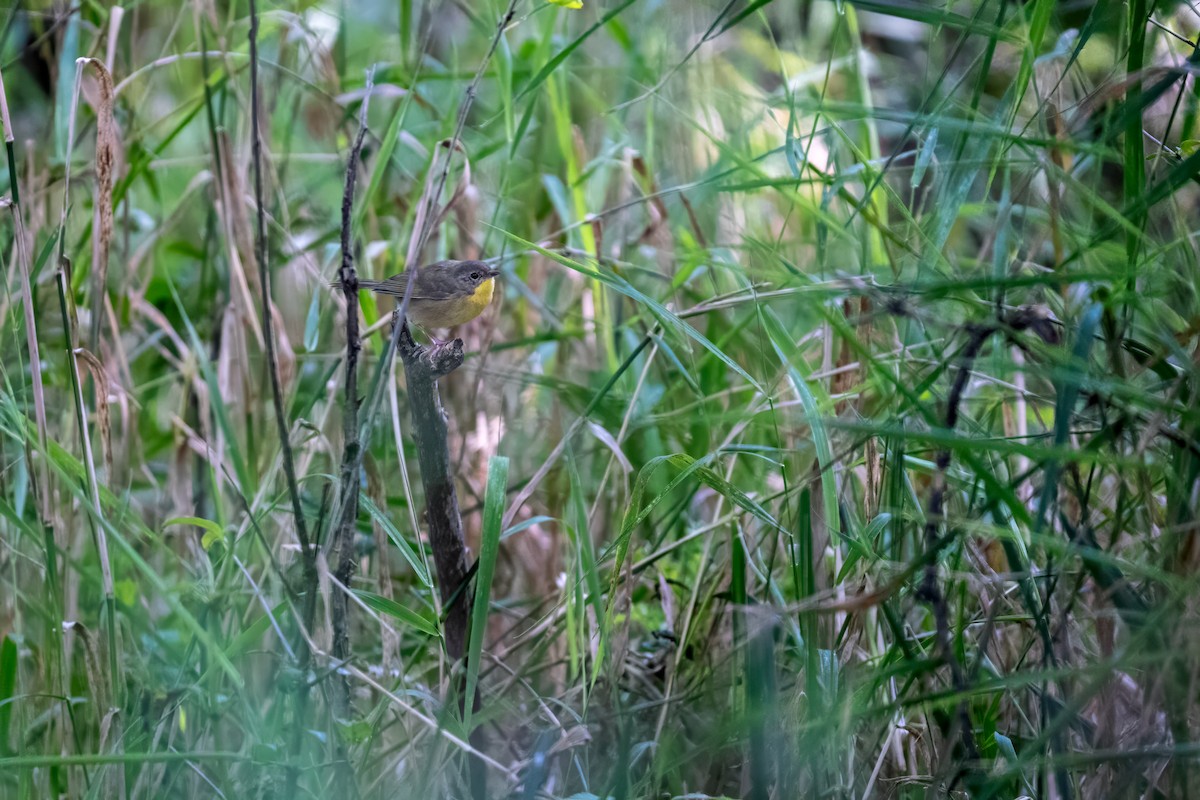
[243, 265]
[106, 156]
[571, 738]
[101, 380]
[97, 676]
[283, 350]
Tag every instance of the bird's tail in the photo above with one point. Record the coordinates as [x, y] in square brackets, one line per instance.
[363, 283]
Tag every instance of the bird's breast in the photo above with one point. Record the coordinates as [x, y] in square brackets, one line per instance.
[454, 311]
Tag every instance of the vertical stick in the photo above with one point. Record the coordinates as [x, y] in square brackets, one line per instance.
[342, 546]
[289, 467]
[422, 368]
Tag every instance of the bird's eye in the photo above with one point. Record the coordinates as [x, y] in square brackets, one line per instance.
[474, 276]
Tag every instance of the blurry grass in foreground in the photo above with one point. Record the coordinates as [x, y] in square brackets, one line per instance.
[839, 403]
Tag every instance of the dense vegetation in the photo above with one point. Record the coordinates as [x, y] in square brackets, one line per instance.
[833, 432]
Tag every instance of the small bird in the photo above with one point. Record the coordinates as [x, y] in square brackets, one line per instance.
[446, 294]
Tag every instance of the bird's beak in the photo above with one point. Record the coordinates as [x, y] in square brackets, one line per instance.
[491, 273]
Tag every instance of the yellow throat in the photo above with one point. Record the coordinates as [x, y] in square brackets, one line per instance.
[483, 295]
[454, 312]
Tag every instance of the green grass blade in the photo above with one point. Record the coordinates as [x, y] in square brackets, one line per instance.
[489, 551]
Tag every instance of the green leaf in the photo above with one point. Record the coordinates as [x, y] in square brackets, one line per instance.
[924, 158]
[253, 633]
[489, 549]
[212, 531]
[1006, 747]
[714, 481]
[64, 90]
[561, 55]
[355, 732]
[312, 324]
[126, 592]
[813, 415]
[8, 683]
[401, 543]
[522, 525]
[1068, 393]
[397, 611]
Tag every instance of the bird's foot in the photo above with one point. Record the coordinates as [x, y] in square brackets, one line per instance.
[440, 345]
[443, 357]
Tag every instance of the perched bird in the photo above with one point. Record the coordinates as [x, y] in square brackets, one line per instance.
[446, 294]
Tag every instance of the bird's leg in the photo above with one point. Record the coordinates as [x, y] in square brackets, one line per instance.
[437, 344]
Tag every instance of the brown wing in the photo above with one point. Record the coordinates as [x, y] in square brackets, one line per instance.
[434, 282]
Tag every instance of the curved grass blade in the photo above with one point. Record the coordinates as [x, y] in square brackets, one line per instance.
[489, 549]
[398, 611]
[401, 543]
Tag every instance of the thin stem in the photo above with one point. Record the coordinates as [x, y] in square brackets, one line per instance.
[343, 538]
[289, 467]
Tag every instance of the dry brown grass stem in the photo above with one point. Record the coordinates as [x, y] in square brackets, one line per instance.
[268, 328]
[24, 264]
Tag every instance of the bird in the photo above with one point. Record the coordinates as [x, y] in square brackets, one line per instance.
[446, 294]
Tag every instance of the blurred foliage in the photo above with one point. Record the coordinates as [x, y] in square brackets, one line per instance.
[845, 356]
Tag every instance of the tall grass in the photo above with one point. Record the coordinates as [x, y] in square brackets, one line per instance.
[834, 431]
